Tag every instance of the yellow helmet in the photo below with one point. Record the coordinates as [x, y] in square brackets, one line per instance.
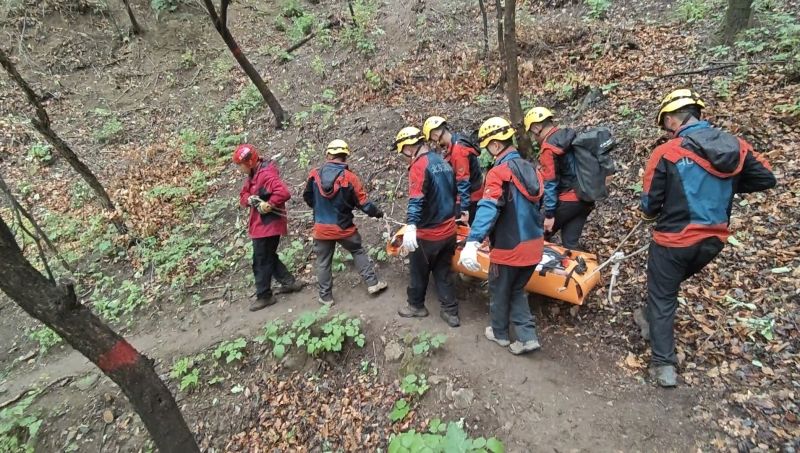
[536, 115]
[338, 147]
[678, 99]
[407, 136]
[495, 128]
[432, 123]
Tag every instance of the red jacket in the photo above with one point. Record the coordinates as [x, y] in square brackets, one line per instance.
[265, 182]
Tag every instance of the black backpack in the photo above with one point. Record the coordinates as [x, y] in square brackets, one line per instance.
[591, 150]
[470, 139]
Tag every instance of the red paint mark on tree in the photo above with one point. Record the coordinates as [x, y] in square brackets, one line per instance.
[121, 355]
[236, 51]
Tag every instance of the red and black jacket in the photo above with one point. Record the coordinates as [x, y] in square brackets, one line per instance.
[558, 169]
[469, 176]
[509, 212]
[690, 181]
[333, 192]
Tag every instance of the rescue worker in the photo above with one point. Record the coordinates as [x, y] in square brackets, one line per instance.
[430, 233]
[563, 211]
[689, 184]
[265, 194]
[463, 157]
[509, 215]
[333, 191]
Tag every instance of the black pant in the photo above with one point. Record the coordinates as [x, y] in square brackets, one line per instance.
[667, 267]
[473, 208]
[433, 257]
[570, 218]
[267, 265]
[509, 302]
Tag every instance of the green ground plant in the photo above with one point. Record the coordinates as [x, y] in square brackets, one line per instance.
[363, 36]
[443, 438]
[111, 128]
[19, 425]
[292, 254]
[163, 6]
[46, 338]
[690, 11]
[41, 153]
[426, 344]
[186, 371]
[597, 9]
[238, 109]
[232, 351]
[312, 333]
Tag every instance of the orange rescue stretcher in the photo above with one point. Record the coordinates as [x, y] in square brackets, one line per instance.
[563, 274]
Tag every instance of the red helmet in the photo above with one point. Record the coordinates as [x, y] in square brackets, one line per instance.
[246, 154]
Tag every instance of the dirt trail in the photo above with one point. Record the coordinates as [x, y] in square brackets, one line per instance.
[564, 398]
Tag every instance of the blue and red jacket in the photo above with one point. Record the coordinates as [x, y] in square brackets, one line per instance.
[689, 183]
[333, 192]
[469, 177]
[431, 197]
[265, 182]
[558, 168]
[509, 212]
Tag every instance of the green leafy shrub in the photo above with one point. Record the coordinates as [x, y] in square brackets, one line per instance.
[425, 344]
[291, 255]
[291, 8]
[597, 8]
[443, 438]
[232, 350]
[414, 385]
[41, 153]
[310, 333]
[362, 37]
[111, 128]
[693, 10]
[163, 6]
[237, 110]
[186, 370]
[19, 426]
[302, 25]
[45, 337]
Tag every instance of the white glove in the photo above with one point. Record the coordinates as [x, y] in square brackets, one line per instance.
[469, 256]
[410, 238]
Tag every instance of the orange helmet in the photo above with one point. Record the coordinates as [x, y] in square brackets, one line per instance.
[246, 154]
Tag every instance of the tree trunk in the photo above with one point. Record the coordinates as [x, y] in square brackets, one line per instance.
[485, 29]
[737, 17]
[221, 24]
[501, 48]
[58, 308]
[512, 78]
[42, 124]
[40, 234]
[135, 28]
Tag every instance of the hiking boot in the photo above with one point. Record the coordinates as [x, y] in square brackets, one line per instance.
[641, 321]
[412, 312]
[293, 287]
[326, 300]
[377, 287]
[262, 302]
[664, 375]
[450, 318]
[490, 336]
[519, 347]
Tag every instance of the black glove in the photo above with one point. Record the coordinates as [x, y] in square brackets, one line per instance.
[378, 214]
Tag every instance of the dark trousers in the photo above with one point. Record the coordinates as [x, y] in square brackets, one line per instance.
[570, 219]
[433, 257]
[324, 250]
[267, 265]
[667, 267]
[509, 301]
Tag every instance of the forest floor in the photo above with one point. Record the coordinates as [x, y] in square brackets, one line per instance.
[156, 117]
